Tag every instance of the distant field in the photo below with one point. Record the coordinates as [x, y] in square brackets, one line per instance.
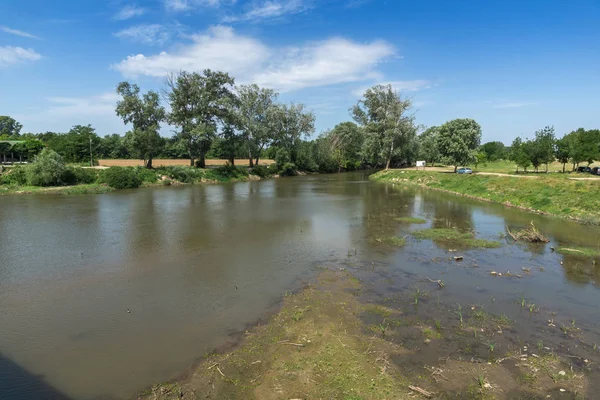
[165, 163]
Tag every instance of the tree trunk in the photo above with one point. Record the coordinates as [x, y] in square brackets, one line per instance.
[455, 168]
[564, 166]
[389, 158]
[250, 162]
[232, 160]
[191, 161]
[202, 161]
[149, 163]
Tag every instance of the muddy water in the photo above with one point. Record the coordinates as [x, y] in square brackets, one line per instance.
[195, 265]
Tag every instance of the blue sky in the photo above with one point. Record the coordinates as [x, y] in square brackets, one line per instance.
[514, 66]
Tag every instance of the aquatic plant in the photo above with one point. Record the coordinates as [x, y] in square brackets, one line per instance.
[530, 234]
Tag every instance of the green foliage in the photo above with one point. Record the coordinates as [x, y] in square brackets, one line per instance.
[146, 175]
[47, 170]
[122, 177]
[9, 126]
[77, 175]
[428, 145]
[198, 103]
[15, 176]
[519, 154]
[346, 141]
[282, 157]
[458, 141]
[389, 128]
[261, 170]
[494, 151]
[146, 115]
[181, 173]
[288, 169]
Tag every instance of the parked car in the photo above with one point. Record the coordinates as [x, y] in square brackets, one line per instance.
[595, 171]
[584, 169]
[464, 171]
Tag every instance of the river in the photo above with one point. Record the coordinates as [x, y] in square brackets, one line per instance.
[104, 295]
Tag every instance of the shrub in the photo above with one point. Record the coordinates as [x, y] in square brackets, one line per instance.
[226, 173]
[47, 170]
[288, 169]
[14, 176]
[122, 178]
[261, 170]
[146, 175]
[282, 157]
[181, 173]
[75, 175]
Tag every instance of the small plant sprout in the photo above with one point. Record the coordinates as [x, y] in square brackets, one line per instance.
[438, 325]
[540, 345]
[573, 322]
[595, 347]
[522, 301]
[532, 308]
[460, 315]
[382, 327]
[490, 346]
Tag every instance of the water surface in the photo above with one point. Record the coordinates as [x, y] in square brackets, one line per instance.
[196, 265]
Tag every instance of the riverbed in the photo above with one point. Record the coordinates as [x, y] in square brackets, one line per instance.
[104, 295]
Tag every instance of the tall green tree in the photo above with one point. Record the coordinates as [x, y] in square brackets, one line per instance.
[253, 116]
[291, 124]
[541, 148]
[494, 151]
[145, 114]
[346, 141]
[519, 154]
[459, 140]
[428, 145]
[562, 151]
[9, 126]
[199, 102]
[383, 113]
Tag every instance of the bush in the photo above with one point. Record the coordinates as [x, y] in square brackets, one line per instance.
[122, 178]
[226, 173]
[282, 157]
[47, 170]
[288, 169]
[182, 174]
[146, 175]
[261, 170]
[14, 176]
[77, 175]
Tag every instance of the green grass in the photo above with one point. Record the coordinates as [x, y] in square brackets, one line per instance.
[579, 251]
[548, 193]
[466, 239]
[92, 188]
[411, 220]
[394, 241]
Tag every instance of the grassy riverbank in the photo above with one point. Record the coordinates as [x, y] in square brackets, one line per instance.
[96, 181]
[325, 343]
[548, 194]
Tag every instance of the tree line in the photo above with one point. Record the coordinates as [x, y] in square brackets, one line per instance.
[212, 117]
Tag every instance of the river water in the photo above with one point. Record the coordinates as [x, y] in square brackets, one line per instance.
[104, 295]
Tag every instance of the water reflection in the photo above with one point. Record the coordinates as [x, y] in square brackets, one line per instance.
[196, 263]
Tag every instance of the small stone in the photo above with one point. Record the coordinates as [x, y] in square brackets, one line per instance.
[427, 341]
[562, 390]
[499, 274]
[562, 373]
[493, 273]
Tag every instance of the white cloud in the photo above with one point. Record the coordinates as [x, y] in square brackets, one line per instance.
[63, 112]
[129, 11]
[17, 32]
[271, 9]
[10, 55]
[400, 86]
[153, 34]
[332, 61]
[502, 106]
[186, 5]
